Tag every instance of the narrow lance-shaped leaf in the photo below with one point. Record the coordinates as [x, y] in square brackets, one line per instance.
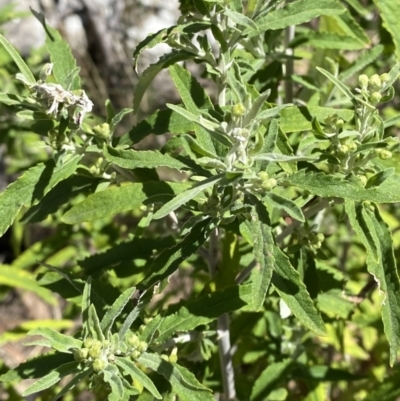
[115, 309]
[52, 378]
[390, 14]
[94, 324]
[18, 60]
[280, 202]
[376, 237]
[54, 339]
[31, 187]
[73, 382]
[182, 381]
[130, 368]
[286, 281]
[277, 157]
[86, 306]
[339, 84]
[185, 197]
[115, 200]
[296, 13]
[131, 159]
[263, 254]
[112, 377]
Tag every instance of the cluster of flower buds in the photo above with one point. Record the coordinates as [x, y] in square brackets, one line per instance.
[96, 353]
[313, 240]
[264, 183]
[136, 347]
[371, 88]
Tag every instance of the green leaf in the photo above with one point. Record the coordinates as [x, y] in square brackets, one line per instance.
[117, 119]
[296, 13]
[111, 376]
[323, 373]
[182, 381]
[159, 123]
[277, 157]
[170, 259]
[378, 178]
[85, 307]
[37, 367]
[339, 84]
[388, 390]
[52, 378]
[263, 253]
[297, 119]
[329, 40]
[61, 56]
[54, 339]
[390, 14]
[130, 368]
[16, 278]
[131, 159]
[286, 281]
[269, 378]
[26, 72]
[285, 204]
[31, 188]
[204, 310]
[149, 74]
[336, 187]
[186, 196]
[376, 237]
[240, 19]
[59, 196]
[120, 199]
[115, 310]
[94, 324]
[72, 383]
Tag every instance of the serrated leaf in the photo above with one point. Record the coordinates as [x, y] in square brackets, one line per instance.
[329, 40]
[390, 14]
[130, 368]
[204, 310]
[286, 281]
[31, 187]
[297, 119]
[61, 56]
[296, 13]
[269, 378]
[131, 159]
[116, 308]
[59, 342]
[336, 187]
[26, 72]
[376, 237]
[52, 378]
[182, 381]
[285, 204]
[170, 259]
[149, 74]
[240, 19]
[120, 199]
[186, 196]
[263, 253]
[16, 278]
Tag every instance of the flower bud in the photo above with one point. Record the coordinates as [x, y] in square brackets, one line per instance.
[95, 350]
[135, 355]
[238, 110]
[142, 346]
[384, 77]
[213, 201]
[269, 184]
[45, 71]
[263, 175]
[80, 354]
[174, 355]
[133, 341]
[343, 150]
[363, 81]
[384, 154]
[339, 123]
[99, 364]
[88, 342]
[363, 180]
[375, 97]
[375, 82]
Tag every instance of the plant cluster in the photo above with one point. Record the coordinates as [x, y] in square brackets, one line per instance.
[276, 223]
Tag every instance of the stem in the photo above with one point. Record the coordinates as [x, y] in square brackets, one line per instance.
[224, 341]
[289, 66]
